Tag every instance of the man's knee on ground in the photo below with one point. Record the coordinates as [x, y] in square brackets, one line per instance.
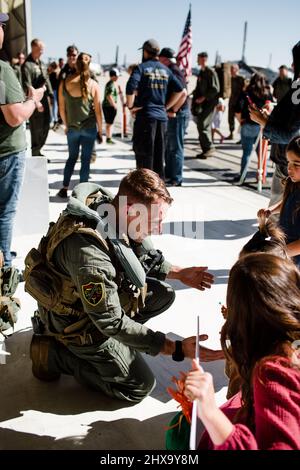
[138, 392]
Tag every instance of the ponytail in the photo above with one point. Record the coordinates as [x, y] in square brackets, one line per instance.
[84, 70]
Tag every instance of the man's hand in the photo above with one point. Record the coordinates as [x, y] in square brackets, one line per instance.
[206, 354]
[195, 276]
[134, 110]
[210, 355]
[171, 114]
[36, 93]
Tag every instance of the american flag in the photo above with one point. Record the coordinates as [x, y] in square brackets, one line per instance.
[184, 56]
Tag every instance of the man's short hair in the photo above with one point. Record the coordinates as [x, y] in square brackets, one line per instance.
[283, 67]
[35, 42]
[203, 54]
[144, 186]
[114, 72]
[72, 48]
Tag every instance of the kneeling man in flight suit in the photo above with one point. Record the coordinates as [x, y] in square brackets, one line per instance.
[97, 280]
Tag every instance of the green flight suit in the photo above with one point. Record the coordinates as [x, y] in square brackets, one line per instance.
[208, 87]
[34, 73]
[112, 363]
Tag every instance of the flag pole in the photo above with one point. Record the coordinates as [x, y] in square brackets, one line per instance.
[193, 432]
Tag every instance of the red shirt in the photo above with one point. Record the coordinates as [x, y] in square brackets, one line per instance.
[276, 388]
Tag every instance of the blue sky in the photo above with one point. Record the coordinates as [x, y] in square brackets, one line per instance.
[98, 26]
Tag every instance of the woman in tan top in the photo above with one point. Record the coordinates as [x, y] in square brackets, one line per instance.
[80, 110]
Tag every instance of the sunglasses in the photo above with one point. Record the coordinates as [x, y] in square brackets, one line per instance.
[3, 25]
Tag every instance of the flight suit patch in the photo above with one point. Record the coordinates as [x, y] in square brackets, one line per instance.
[93, 292]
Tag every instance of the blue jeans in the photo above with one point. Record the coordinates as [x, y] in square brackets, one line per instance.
[249, 133]
[54, 110]
[11, 177]
[76, 138]
[175, 149]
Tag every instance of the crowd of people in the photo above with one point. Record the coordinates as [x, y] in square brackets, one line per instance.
[97, 277]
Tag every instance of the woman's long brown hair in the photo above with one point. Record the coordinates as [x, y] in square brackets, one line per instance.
[263, 308]
[84, 70]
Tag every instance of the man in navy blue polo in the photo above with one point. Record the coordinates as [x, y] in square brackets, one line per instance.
[147, 90]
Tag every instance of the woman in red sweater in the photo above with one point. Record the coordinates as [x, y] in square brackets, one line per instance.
[261, 336]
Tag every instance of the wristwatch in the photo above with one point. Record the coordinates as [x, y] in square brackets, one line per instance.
[178, 354]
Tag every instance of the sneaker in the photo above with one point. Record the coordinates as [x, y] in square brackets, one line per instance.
[39, 353]
[93, 157]
[63, 193]
[109, 141]
[229, 137]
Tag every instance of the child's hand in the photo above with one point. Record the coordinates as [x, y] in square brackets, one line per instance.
[263, 213]
[224, 312]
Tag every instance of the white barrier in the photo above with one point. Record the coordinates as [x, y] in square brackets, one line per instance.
[33, 207]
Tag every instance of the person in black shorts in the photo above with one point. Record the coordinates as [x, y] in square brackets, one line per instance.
[109, 104]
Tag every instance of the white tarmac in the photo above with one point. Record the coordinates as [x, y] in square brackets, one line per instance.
[64, 415]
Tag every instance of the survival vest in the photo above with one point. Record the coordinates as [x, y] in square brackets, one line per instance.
[55, 291]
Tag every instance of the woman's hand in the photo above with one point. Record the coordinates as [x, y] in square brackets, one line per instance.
[199, 386]
[258, 116]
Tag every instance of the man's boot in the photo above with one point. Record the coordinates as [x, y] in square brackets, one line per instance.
[39, 354]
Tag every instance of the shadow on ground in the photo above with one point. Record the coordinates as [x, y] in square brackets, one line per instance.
[63, 414]
[211, 230]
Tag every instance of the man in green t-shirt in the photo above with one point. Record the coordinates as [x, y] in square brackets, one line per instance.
[14, 112]
[109, 103]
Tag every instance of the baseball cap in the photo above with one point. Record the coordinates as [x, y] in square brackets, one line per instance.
[3, 17]
[168, 53]
[202, 54]
[151, 45]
